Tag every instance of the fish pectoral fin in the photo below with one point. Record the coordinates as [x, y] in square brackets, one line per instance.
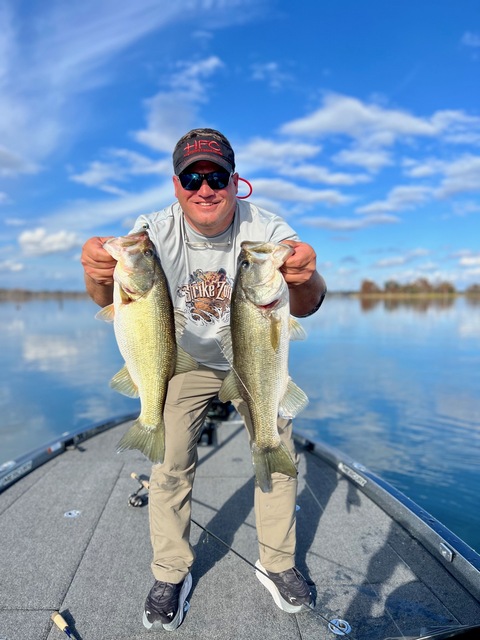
[107, 314]
[297, 332]
[180, 322]
[225, 336]
[275, 331]
[266, 462]
[123, 383]
[229, 389]
[184, 362]
[293, 401]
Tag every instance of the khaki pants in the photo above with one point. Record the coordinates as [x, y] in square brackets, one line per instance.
[171, 484]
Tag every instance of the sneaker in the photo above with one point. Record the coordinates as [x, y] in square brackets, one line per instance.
[289, 589]
[166, 604]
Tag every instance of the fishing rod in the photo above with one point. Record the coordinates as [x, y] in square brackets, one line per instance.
[336, 625]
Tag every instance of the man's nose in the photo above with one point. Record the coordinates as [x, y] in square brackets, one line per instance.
[205, 189]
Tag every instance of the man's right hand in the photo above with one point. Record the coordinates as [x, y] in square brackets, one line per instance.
[98, 264]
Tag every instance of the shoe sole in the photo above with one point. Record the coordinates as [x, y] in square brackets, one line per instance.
[183, 607]
[270, 585]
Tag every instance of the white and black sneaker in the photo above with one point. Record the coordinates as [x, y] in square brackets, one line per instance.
[166, 604]
[289, 588]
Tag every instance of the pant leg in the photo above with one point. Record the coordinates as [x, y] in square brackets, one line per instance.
[275, 512]
[171, 482]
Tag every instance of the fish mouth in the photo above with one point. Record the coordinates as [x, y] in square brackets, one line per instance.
[270, 305]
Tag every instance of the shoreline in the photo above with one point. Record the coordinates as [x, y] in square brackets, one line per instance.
[20, 295]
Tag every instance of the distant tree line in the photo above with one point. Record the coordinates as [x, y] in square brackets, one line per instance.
[25, 294]
[421, 286]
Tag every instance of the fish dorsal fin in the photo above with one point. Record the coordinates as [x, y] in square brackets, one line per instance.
[225, 336]
[184, 362]
[123, 383]
[275, 331]
[293, 401]
[180, 322]
[297, 332]
[107, 314]
[229, 389]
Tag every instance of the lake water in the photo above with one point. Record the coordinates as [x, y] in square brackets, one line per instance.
[395, 386]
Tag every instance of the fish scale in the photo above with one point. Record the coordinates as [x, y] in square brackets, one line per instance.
[146, 329]
[257, 346]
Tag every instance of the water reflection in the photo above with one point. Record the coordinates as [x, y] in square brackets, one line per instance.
[57, 363]
[417, 303]
[398, 391]
[395, 386]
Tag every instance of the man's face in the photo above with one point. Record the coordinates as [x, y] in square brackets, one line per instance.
[209, 211]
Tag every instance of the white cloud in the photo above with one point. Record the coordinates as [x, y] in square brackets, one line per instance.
[349, 224]
[395, 261]
[51, 57]
[81, 216]
[399, 199]
[460, 176]
[288, 191]
[14, 222]
[119, 167]
[371, 159]
[470, 261]
[319, 174]
[349, 116]
[171, 113]
[271, 73]
[262, 153]
[470, 39]
[11, 266]
[38, 242]
[100, 174]
[371, 127]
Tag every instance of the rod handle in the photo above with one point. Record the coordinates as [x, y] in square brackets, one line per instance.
[145, 484]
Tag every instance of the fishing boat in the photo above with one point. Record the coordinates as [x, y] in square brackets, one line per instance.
[75, 551]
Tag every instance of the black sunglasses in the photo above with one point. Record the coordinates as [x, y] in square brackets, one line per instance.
[215, 180]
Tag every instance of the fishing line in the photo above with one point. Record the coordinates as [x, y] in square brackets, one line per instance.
[333, 625]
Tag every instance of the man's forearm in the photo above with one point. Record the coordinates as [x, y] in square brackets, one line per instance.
[306, 298]
[101, 294]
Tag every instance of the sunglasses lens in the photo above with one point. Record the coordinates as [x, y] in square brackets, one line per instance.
[215, 180]
[218, 179]
[190, 181]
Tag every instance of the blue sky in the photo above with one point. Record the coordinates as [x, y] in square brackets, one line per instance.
[359, 122]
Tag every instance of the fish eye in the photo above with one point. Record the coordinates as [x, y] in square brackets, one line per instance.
[244, 264]
[148, 253]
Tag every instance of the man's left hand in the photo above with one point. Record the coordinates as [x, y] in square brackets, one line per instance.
[301, 265]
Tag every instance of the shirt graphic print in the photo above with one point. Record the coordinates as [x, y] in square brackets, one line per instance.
[207, 296]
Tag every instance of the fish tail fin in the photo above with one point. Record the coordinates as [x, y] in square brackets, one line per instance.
[266, 462]
[150, 441]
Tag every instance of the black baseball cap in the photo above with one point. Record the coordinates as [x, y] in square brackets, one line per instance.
[203, 144]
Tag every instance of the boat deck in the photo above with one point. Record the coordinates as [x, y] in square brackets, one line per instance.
[70, 542]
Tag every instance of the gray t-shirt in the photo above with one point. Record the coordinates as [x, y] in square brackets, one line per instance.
[200, 271]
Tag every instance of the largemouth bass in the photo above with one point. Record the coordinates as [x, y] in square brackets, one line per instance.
[257, 348]
[145, 329]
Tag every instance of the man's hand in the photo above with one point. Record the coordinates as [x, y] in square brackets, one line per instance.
[306, 285]
[299, 267]
[98, 263]
[99, 266]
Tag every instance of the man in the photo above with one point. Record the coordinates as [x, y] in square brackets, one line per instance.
[198, 241]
